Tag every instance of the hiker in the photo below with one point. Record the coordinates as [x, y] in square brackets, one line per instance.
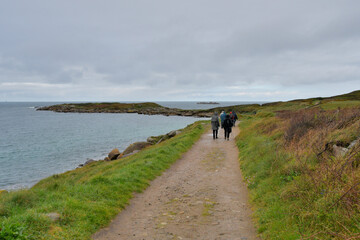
[233, 117]
[215, 125]
[222, 118]
[227, 126]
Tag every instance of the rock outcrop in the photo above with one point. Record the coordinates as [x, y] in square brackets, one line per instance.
[114, 154]
[340, 151]
[136, 146]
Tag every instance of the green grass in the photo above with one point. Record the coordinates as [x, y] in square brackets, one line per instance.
[294, 192]
[340, 104]
[262, 165]
[88, 198]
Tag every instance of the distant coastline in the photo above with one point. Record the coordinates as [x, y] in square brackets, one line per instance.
[146, 108]
[212, 103]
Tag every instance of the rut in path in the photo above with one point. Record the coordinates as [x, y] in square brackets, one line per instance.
[201, 196]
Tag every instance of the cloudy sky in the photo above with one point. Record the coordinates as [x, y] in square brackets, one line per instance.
[141, 50]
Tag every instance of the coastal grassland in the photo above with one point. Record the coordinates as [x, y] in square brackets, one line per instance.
[88, 198]
[299, 187]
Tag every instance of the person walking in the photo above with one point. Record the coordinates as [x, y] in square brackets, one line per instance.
[215, 125]
[227, 126]
[233, 117]
[222, 118]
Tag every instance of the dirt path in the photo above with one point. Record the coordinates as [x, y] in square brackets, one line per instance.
[201, 196]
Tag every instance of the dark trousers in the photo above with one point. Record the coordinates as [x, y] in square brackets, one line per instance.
[215, 133]
[227, 133]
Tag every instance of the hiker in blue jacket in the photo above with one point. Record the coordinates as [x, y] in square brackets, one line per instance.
[222, 118]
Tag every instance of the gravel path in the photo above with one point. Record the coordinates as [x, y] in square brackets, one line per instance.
[201, 196]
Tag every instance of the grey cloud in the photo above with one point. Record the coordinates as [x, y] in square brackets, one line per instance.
[182, 48]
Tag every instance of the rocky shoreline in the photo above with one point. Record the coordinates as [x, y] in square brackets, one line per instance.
[131, 108]
[133, 148]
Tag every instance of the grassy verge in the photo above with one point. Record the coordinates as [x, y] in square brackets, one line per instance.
[299, 188]
[88, 198]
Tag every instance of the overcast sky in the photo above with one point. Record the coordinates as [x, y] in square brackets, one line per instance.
[142, 50]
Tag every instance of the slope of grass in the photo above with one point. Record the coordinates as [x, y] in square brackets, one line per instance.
[299, 188]
[88, 198]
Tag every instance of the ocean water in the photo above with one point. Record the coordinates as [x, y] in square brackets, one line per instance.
[37, 144]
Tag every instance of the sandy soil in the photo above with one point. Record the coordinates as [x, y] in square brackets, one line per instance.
[201, 196]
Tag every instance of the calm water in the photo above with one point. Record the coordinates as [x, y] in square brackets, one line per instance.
[37, 144]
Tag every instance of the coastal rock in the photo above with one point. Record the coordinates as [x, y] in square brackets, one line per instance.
[54, 216]
[120, 156]
[152, 139]
[107, 159]
[171, 134]
[89, 161]
[163, 138]
[136, 146]
[339, 151]
[136, 151]
[114, 154]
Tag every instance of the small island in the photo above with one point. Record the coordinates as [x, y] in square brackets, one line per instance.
[146, 108]
[212, 103]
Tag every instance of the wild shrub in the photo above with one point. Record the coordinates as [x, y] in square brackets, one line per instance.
[301, 122]
[295, 177]
[333, 181]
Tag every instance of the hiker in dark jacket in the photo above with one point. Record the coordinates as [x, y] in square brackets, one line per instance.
[233, 117]
[215, 125]
[227, 126]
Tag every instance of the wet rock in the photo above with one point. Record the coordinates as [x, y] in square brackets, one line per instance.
[54, 216]
[114, 154]
[136, 146]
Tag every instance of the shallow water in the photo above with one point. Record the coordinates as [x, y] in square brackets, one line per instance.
[36, 144]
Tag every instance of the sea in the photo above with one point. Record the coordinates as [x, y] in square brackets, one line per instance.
[37, 144]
